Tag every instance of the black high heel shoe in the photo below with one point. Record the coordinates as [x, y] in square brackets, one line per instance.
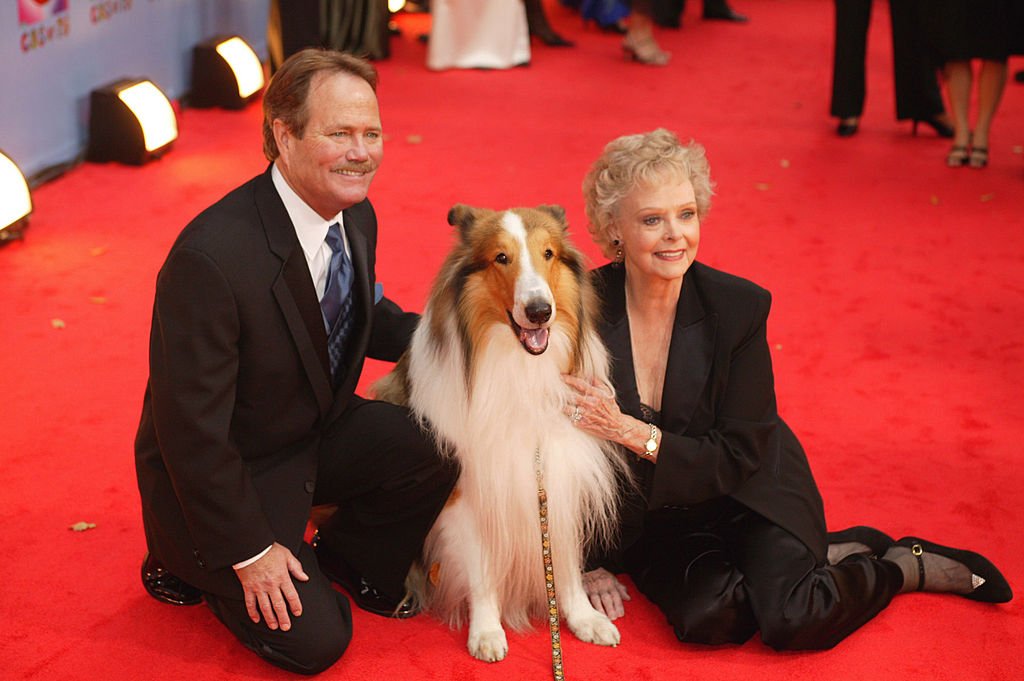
[539, 28]
[725, 13]
[993, 587]
[551, 39]
[941, 129]
[876, 540]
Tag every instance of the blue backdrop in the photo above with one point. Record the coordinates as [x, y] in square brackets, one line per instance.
[53, 53]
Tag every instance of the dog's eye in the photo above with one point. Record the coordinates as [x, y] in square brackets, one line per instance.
[501, 259]
[548, 254]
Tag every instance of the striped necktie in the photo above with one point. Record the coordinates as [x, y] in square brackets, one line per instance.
[337, 301]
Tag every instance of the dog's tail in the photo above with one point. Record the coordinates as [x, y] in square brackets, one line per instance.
[416, 585]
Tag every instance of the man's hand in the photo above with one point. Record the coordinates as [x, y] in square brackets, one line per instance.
[606, 592]
[268, 587]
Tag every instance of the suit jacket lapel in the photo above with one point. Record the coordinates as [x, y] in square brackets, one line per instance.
[293, 289]
[689, 357]
[690, 350]
[615, 333]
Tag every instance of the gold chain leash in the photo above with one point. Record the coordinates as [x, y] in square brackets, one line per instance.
[549, 574]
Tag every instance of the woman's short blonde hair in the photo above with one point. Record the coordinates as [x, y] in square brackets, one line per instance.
[634, 160]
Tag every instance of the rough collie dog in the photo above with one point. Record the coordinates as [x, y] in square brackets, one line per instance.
[510, 312]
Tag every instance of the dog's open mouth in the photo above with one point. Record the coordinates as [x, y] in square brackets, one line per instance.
[535, 341]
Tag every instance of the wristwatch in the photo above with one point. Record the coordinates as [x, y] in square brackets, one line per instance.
[651, 446]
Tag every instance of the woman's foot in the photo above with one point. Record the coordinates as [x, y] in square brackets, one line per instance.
[857, 540]
[932, 567]
[848, 126]
[837, 553]
[957, 156]
[940, 573]
[978, 157]
[644, 48]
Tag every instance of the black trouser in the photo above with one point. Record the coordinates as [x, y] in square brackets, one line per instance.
[916, 83]
[722, 572]
[389, 485]
[317, 637]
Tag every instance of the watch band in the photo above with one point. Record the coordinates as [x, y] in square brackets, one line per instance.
[652, 444]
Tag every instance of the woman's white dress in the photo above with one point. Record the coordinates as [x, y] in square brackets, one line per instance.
[478, 34]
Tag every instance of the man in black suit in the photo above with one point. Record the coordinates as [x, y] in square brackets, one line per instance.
[265, 309]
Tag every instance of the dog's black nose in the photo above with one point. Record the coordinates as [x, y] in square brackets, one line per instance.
[538, 312]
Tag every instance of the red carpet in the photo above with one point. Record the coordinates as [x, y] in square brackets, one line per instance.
[898, 337]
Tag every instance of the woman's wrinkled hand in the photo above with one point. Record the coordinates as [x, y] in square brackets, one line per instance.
[593, 409]
[606, 592]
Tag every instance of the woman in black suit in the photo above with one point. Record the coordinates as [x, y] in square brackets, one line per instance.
[726, 530]
[917, 88]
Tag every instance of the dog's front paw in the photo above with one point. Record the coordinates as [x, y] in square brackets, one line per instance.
[490, 645]
[595, 628]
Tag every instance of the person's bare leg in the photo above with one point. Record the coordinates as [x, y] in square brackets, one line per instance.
[991, 81]
[958, 79]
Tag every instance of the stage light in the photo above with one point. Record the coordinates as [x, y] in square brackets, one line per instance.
[225, 72]
[15, 200]
[396, 5]
[130, 121]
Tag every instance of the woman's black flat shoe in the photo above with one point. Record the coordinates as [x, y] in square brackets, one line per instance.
[993, 587]
[876, 540]
[940, 128]
[847, 127]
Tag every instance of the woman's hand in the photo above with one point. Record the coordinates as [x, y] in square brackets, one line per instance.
[594, 410]
[606, 592]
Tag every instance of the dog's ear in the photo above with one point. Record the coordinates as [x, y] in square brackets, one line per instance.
[557, 212]
[462, 216]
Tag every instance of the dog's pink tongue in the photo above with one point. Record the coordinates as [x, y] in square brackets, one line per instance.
[534, 340]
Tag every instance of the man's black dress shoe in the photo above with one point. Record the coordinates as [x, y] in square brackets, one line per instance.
[726, 14]
[165, 587]
[360, 590]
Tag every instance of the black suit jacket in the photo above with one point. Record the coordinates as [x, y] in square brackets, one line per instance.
[239, 393]
[721, 432]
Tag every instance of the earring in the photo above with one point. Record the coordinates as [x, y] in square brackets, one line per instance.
[619, 257]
